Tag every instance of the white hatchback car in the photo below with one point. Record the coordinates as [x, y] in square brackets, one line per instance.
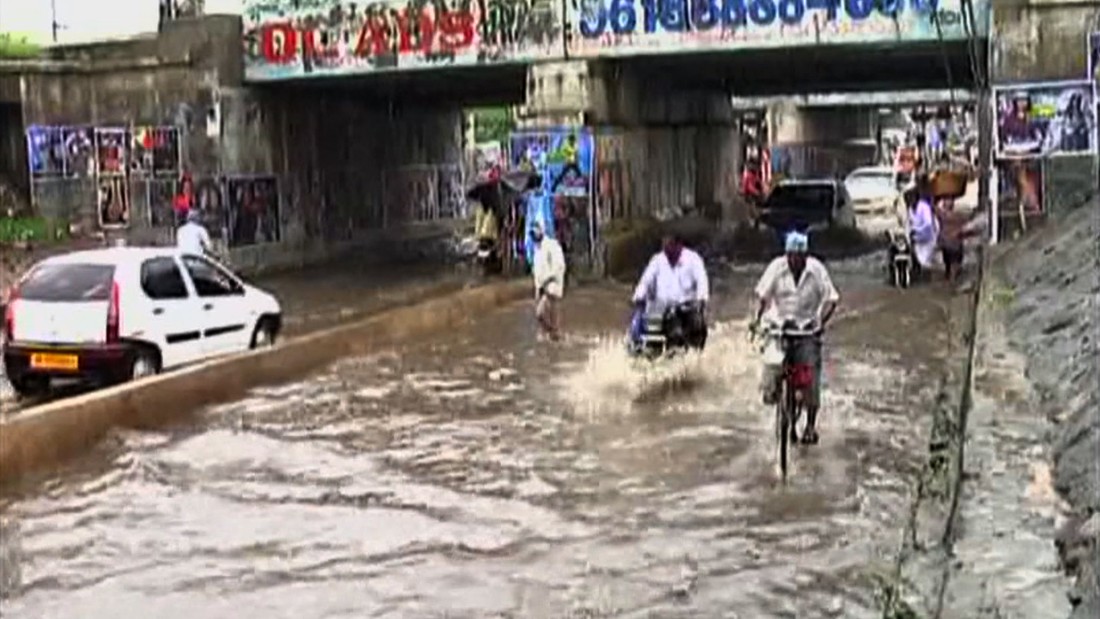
[112, 315]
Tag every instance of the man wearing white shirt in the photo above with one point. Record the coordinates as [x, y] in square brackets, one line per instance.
[797, 287]
[676, 275]
[192, 237]
[548, 269]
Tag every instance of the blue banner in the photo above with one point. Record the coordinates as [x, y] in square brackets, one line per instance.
[600, 17]
[564, 157]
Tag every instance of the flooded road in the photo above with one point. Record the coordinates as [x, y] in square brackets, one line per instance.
[481, 476]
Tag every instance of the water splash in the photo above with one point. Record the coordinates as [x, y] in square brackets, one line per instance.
[611, 382]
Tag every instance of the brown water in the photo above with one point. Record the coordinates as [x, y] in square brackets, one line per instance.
[480, 475]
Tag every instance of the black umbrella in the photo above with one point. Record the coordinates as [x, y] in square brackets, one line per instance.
[495, 193]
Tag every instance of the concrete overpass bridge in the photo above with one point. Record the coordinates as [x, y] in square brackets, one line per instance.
[338, 101]
[654, 76]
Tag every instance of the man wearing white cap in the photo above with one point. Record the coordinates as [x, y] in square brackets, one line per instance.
[797, 287]
[548, 268]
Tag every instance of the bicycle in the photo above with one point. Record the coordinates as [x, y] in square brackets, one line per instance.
[796, 378]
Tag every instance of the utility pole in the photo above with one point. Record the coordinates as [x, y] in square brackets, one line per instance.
[54, 26]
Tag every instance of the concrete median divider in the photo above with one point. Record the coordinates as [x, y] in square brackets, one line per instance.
[42, 437]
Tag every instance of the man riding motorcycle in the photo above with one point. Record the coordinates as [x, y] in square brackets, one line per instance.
[796, 287]
[676, 275]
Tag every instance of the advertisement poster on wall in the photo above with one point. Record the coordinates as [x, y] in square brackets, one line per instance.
[113, 203]
[565, 159]
[154, 151]
[1019, 194]
[1045, 119]
[45, 151]
[79, 151]
[110, 145]
[253, 210]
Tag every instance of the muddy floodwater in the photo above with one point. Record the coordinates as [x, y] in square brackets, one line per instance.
[480, 475]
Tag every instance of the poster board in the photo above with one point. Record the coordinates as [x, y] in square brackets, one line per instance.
[1045, 119]
[565, 159]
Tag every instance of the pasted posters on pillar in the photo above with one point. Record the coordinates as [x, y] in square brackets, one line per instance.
[113, 202]
[45, 151]
[154, 150]
[565, 159]
[253, 210]
[1052, 118]
[111, 150]
[286, 38]
[629, 27]
[79, 151]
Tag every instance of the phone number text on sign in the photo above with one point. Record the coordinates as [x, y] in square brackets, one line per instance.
[626, 17]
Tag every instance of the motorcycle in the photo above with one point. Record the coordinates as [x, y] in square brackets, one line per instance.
[901, 260]
[655, 334]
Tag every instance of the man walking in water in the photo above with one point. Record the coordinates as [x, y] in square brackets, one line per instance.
[548, 268]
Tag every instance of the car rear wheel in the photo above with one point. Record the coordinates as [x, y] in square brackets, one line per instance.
[144, 364]
[30, 386]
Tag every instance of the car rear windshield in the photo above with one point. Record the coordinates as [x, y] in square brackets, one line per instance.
[810, 197]
[68, 282]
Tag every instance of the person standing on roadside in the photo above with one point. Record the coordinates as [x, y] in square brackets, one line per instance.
[548, 269]
[184, 200]
[953, 232]
[192, 237]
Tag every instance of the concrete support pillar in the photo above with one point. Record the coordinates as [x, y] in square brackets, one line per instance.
[677, 149]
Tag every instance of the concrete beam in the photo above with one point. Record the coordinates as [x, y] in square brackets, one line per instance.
[37, 65]
[45, 436]
[844, 99]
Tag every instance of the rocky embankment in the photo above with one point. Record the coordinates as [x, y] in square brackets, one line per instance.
[1008, 503]
[1052, 320]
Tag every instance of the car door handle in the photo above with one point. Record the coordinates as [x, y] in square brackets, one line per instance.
[157, 311]
[208, 306]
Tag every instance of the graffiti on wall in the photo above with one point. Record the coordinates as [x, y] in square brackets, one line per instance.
[628, 27]
[425, 192]
[252, 216]
[290, 38]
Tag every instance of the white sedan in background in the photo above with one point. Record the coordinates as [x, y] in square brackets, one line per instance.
[874, 192]
[112, 315]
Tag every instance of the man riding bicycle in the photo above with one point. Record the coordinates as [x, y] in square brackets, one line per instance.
[797, 287]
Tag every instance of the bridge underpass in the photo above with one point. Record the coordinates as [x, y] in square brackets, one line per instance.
[481, 475]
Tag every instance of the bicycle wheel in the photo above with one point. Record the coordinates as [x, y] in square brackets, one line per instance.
[782, 423]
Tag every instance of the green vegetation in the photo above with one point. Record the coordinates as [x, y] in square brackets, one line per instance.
[17, 46]
[31, 230]
[492, 124]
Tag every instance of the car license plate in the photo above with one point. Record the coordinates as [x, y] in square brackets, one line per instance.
[50, 361]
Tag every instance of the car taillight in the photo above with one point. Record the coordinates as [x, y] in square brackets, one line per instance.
[113, 315]
[9, 315]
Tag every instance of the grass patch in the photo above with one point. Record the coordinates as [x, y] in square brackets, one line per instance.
[31, 230]
[14, 46]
